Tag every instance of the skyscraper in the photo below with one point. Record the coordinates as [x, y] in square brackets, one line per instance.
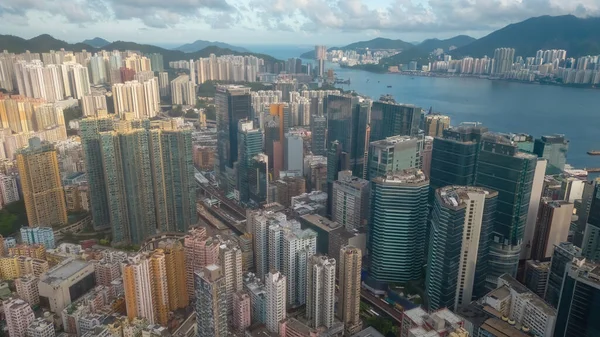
[435, 124]
[250, 145]
[553, 148]
[318, 130]
[90, 129]
[461, 222]
[552, 228]
[258, 179]
[583, 207]
[578, 309]
[394, 154]
[350, 201]
[347, 121]
[501, 167]
[534, 207]
[590, 248]
[138, 288]
[141, 179]
[275, 287]
[211, 302]
[350, 268]
[175, 273]
[230, 261]
[320, 291]
[142, 98]
[160, 286]
[454, 156]
[293, 153]
[233, 103]
[200, 251]
[41, 184]
[503, 60]
[183, 91]
[562, 256]
[389, 119]
[397, 226]
[297, 246]
[321, 57]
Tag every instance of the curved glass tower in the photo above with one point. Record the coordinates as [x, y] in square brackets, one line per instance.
[398, 224]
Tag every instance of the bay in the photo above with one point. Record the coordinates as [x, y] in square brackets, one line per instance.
[500, 105]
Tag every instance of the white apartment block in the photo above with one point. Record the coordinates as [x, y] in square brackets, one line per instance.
[9, 189]
[320, 291]
[18, 315]
[27, 289]
[275, 287]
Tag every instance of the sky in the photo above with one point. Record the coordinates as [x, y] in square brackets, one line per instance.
[266, 22]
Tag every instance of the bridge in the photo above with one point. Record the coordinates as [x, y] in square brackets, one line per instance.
[381, 305]
[151, 242]
[209, 190]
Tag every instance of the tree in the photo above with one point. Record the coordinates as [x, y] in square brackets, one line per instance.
[177, 111]
[72, 113]
[191, 114]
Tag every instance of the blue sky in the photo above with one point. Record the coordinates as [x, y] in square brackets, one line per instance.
[264, 22]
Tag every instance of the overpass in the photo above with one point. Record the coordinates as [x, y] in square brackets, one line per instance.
[381, 305]
[209, 190]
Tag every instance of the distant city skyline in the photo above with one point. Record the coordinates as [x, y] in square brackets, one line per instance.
[251, 22]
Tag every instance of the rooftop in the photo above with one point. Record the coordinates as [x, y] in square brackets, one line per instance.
[456, 196]
[416, 315]
[64, 270]
[321, 222]
[391, 141]
[410, 176]
[368, 332]
[537, 301]
[501, 329]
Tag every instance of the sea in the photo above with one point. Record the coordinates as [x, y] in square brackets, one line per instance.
[502, 106]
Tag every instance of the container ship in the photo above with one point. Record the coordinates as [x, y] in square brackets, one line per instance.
[594, 153]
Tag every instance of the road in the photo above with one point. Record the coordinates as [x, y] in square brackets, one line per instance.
[381, 305]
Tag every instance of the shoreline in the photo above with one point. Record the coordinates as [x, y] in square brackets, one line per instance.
[481, 77]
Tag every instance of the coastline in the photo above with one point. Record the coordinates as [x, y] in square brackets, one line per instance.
[372, 68]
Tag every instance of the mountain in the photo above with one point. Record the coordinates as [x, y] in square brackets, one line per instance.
[421, 52]
[201, 44]
[96, 42]
[578, 36]
[376, 43]
[38, 44]
[44, 43]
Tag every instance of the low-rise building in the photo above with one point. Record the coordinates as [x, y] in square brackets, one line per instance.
[65, 283]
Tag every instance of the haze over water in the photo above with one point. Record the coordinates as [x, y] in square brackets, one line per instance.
[501, 106]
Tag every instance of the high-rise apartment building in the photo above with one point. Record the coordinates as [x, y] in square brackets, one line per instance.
[211, 302]
[320, 291]
[275, 288]
[154, 165]
[175, 266]
[578, 309]
[297, 246]
[230, 261]
[183, 91]
[554, 149]
[563, 254]
[435, 124]
[583, 207]
[258, 300]
[27, 289]
[41, 235]
[389, 119]
[164, 86]
[394, 154]
[503, 60]
[241, 311]
[160, 291]
[200, 251]
[137, 284]
[41, 184]
[18, 315]
[98, 69]
[350, 201]
[552, 228]
[233, 104]
[350, 268]
[461, 221]
[91, 104]
[501, 167]
[156, 62]
[141, 98]
[8, 189]
[397, 226]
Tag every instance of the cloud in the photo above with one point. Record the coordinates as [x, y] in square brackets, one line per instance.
[311, 16]
[153, 13]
